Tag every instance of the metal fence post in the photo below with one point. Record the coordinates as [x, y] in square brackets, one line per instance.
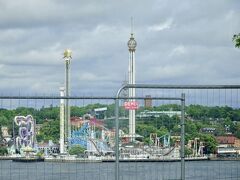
[117, 139]
[14, 138]
[183, 137]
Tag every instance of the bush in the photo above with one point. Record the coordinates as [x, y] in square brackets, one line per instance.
[76, 150]
[3, 151]
[188, 151]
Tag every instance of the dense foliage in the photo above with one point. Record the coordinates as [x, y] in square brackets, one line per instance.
[76, 150]
[3, 151]
[236, 39]
[50, 130]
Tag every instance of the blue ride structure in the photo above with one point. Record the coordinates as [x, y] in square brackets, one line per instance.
[85, 136]
[80, 136]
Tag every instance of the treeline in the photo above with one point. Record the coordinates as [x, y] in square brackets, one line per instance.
[199, 112]
[48, 113]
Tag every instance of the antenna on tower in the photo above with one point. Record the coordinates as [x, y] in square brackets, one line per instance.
[131, 25]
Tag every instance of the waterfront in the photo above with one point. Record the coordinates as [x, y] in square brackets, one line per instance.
[197, 170]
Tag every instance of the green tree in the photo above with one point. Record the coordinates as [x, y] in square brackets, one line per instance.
[210, 142]
[50, 131]
[188, 151]
[76, 149]
[237, 131]
[48, 113]
[4, 121]
[3, 151]
[196, 112]
[236, 40]
[23, 111]
[191, 128]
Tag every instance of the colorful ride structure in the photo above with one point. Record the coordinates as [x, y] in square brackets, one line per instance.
[92, 136]
[26, 132]
[196, 146]
[163, 141]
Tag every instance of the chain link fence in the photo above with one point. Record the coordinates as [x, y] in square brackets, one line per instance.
[207, 114]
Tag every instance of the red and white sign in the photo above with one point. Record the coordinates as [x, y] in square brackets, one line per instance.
[131, 105]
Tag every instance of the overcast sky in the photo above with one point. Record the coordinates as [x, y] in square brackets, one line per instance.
[179, 42]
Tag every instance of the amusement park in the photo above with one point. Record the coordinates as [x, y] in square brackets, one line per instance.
[93, 137]
[105, 120]
[132, 128]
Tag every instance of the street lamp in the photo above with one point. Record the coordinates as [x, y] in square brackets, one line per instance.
[67, 57]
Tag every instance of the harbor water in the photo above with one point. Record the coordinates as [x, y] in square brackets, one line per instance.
[195, 170]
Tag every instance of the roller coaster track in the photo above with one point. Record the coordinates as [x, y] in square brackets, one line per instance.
[169, 152]
[95, 145]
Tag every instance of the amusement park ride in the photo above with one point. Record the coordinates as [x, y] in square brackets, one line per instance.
[86, 136]
[26, 140]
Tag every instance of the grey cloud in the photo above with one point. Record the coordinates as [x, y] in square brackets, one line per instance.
[187, 42]
[26, 13]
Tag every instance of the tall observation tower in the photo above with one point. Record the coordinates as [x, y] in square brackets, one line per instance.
[131, 80]
[67, 57]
